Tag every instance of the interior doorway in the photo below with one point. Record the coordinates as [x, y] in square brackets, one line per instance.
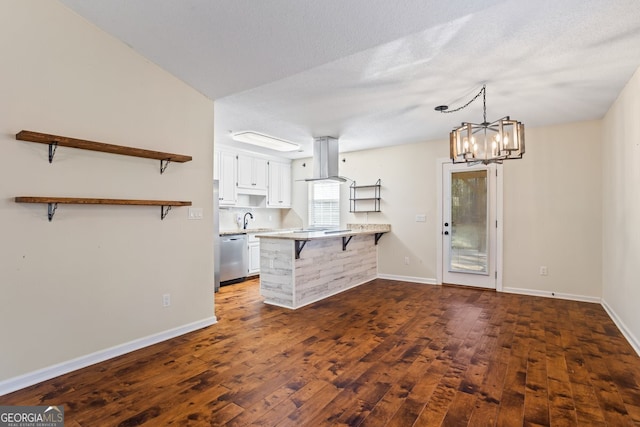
[470, 232]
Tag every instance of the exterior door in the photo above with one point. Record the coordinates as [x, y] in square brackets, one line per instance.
[469, 225]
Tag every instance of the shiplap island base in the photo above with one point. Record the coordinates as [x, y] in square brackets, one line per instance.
[299, 268]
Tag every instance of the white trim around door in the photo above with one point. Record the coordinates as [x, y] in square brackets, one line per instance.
[496, 252]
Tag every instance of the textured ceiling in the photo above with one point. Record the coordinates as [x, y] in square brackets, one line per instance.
[371, 71]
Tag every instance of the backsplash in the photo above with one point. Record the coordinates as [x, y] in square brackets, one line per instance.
[231, 218]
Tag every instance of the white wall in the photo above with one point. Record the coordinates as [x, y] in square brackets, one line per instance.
[552, 214]
[408, 188]
[93, 278]
[621, 210]
[551, 209]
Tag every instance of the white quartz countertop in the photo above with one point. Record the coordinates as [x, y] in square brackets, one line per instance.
[351, 230]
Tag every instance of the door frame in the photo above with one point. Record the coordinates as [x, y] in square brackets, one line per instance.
[439, 221]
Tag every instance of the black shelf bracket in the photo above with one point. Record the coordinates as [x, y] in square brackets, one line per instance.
[51, 210]
[53, 146]
[164, 212]
[345, 242]
[378, 236]
[163, 165]
[299, 245]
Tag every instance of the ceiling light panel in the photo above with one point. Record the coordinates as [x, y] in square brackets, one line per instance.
[265, 141]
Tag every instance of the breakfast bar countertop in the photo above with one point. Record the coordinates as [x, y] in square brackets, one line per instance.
[350, 230]
[304, 266]
[254, 230]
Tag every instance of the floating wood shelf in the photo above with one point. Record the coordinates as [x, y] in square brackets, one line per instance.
[54, 141]
[165, 205]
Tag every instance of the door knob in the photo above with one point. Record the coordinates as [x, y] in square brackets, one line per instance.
[446, 224]
[446, 233]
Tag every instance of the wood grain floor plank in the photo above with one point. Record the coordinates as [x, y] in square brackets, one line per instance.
[310, 412]
[536, 397]
[389, 404]
[386, 353]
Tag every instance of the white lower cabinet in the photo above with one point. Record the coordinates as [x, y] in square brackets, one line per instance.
[253, 246]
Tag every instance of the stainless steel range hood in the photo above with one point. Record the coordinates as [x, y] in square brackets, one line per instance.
[325, 159]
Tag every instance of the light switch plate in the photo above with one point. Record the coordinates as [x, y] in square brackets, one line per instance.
[421, 218]
[195, 213]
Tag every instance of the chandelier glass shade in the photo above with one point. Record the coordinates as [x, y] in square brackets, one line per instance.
[485, 142]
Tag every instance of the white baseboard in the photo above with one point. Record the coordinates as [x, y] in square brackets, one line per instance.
[423, 280]
[379, 276]
[31, 378]
[632, 339]
[549, 294]
[626, 332]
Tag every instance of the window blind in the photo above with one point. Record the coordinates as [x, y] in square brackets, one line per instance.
[324, 204]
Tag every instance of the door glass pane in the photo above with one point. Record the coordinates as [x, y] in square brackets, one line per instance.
[469, 222]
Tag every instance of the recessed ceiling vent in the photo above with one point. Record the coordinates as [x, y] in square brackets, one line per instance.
[325, 159]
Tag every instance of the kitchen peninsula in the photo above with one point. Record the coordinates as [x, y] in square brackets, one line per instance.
[301, 267]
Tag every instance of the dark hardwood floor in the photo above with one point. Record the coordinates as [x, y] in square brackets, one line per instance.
[383, 354]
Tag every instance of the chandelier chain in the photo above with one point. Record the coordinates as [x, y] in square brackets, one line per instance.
[482, 92]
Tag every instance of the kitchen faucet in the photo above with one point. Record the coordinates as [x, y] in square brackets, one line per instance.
[245, 219]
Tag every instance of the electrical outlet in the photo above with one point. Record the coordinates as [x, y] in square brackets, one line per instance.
[543, 270]
[406, 260]
[421, 218]
[166, 300]
[271, 263]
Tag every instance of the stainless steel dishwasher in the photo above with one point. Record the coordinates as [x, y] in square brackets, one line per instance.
[233, 258]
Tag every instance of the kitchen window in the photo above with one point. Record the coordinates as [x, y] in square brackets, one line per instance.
[324, 204]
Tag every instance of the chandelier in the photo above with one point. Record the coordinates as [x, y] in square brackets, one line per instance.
[485, 142]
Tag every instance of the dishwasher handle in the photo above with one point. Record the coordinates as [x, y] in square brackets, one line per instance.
[234, 238]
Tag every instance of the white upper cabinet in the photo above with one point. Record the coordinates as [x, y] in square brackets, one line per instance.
[251, 180]
[216, 164]
[252, 174]
[226, 174]
[279, 195]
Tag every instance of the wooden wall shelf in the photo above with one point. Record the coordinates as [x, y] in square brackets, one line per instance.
[165, 205]
[55, 140]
